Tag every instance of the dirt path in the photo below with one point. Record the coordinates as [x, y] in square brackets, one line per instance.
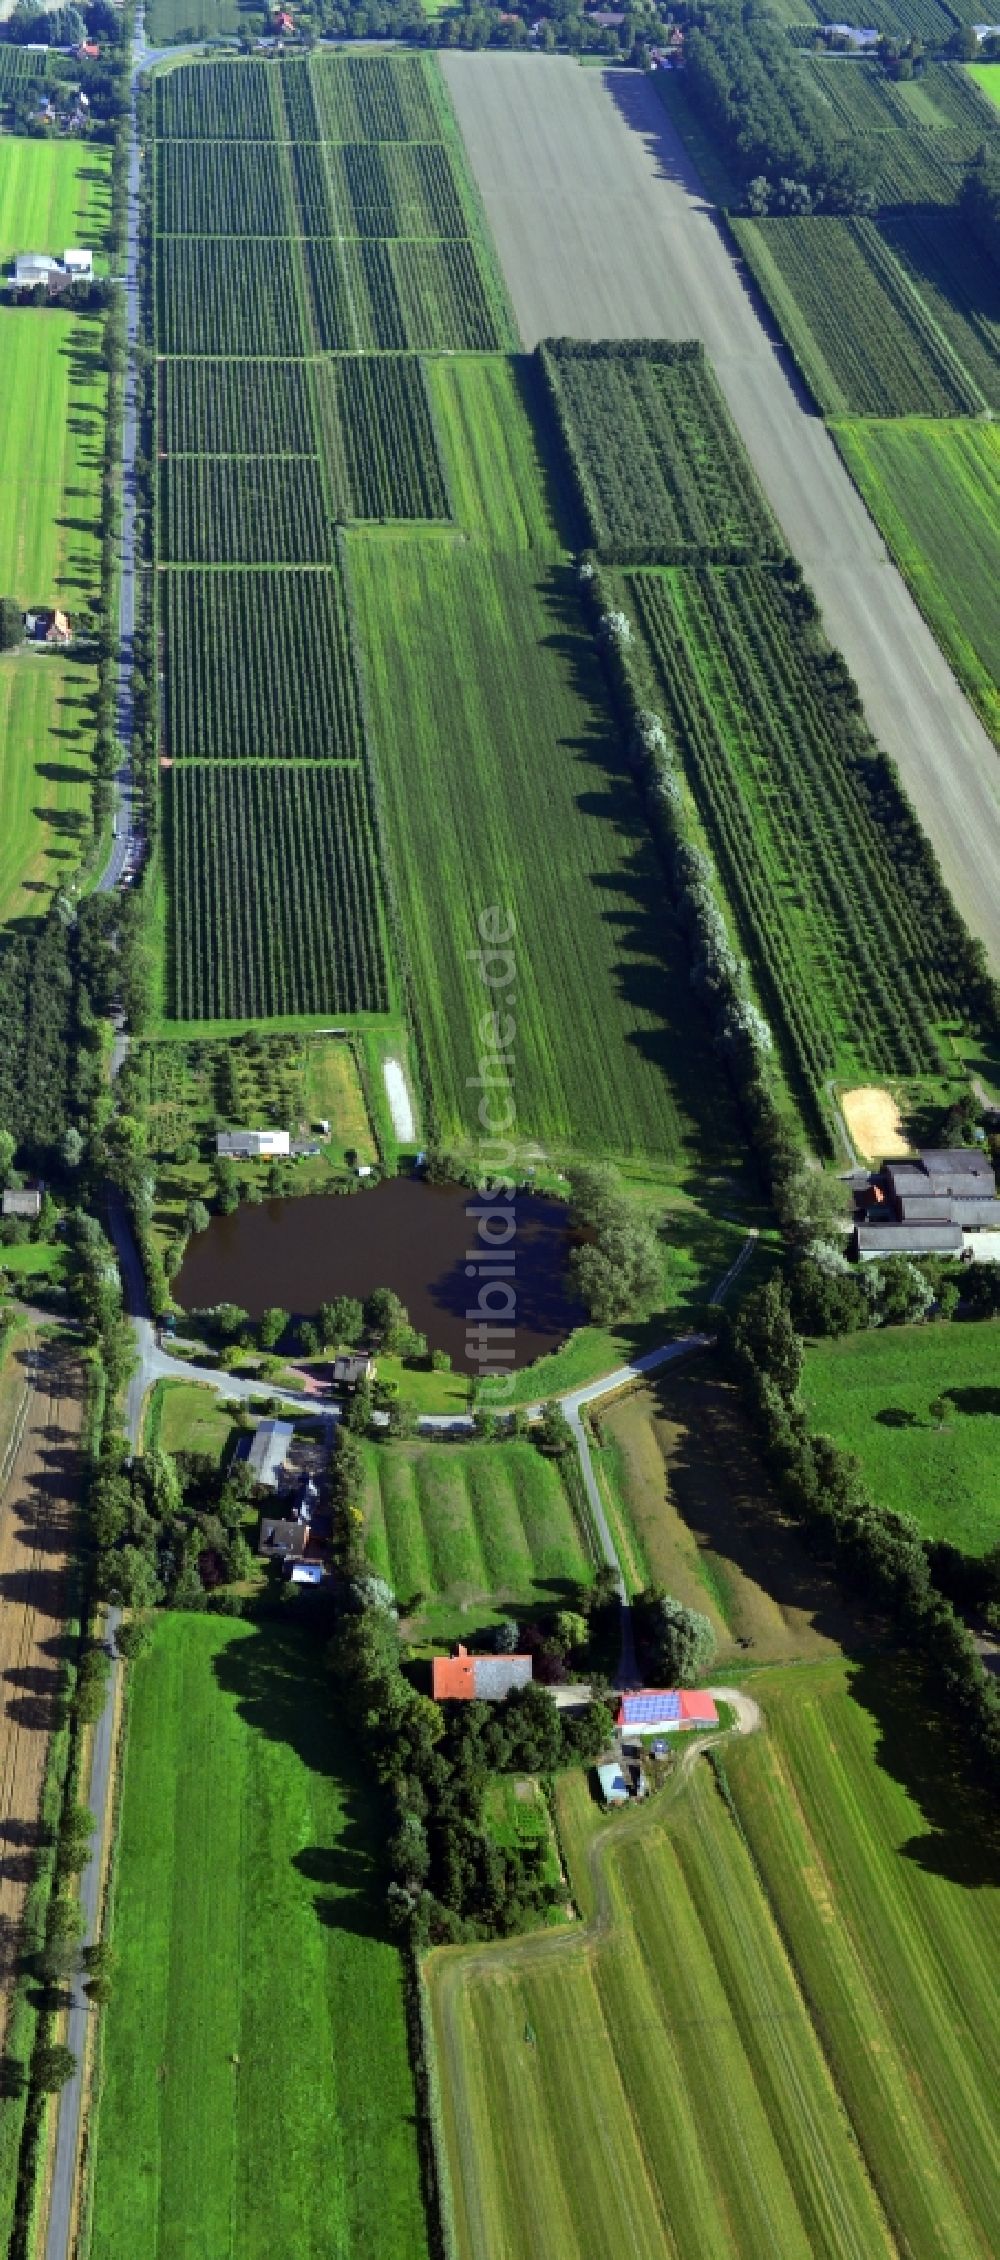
[604, 230]
[38, 1481]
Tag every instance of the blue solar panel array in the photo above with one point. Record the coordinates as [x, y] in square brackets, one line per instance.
[648, 1710]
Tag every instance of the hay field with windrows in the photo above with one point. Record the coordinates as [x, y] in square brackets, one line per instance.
[781, 2041]
[256, 2096]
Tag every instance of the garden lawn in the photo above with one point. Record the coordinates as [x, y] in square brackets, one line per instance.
[46, 739]
[504, 785]
[933, 490]
[188, 1417]
[873, 1393]
[256, 2096]
[53, 409]
[54, 196]
[471, 1528]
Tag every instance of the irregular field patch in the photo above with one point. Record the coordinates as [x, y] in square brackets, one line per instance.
[246, 1817]
[873, 1393]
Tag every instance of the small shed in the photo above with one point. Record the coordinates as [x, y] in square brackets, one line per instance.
[269, 1448]
[305, 1573]
[27, 1203]
[614, 1787]
[349, 1371]
[79, 264]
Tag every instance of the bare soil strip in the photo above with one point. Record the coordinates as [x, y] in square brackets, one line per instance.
[36, 1505]
[604, 230]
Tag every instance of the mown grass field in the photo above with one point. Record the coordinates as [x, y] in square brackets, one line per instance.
[53, 195]
[987, 76]
[777, 2043]
[53, 395]
[471, 1528]
[873, 1393]
[186, 1416]
[504, 784]
[933, 490]
[256, 2092]
[45, 743]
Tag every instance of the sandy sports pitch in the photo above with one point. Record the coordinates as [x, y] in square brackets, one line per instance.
[873, 1121]
[604, 230]
[41, 1405]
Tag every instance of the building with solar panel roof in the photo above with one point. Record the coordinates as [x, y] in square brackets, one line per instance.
[665, 1710]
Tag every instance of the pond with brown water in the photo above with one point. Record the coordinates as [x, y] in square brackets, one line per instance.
[457, 1259]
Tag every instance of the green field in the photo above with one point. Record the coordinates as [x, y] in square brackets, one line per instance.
[987, 75]
[53, 403]
[873, 1393]
[256, 2096]
[188, 1417]
[933, 490]
[503, 782]
[54, 195]
[471, 1528]
[783, 2043]
[45, 744]
[169, 20]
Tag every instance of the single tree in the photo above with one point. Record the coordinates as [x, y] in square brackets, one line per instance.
[53, 2065]
[11, 623]
[272, 1326]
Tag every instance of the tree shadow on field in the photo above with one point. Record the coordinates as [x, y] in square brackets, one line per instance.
[733, 1509]
[284, 1693]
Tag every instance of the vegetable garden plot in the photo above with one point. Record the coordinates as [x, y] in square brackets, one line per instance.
[217, 102]
[259, 666]
[375, 98]
[381, 452]
[274, 892]
[834, 889]
[856, 324]
[217, 296]
[235, 408]
[446, 304]
[230, 188]
[266, 511]
[658, 460]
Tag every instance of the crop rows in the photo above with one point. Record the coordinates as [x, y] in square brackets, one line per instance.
[16, 63]
[855, 321]
[381, 451]
[235, 408]
[259, 666]
[375, 98]
[959, 288]
[266, 511]
[274, 892]
[395, 190]
[224, 296]
[818, 854]
[655, 452]
[217, 102]
[232, 188]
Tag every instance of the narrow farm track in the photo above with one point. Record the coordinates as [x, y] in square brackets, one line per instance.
[38, 1481]
[604, 230]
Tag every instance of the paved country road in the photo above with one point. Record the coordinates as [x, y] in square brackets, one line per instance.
[604, 230]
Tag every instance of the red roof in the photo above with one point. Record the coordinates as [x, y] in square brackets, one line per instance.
[453, 1678]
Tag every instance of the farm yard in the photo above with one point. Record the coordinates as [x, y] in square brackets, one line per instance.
[920, 1407]
[934, 492]
[806, 1971]
[248, 1929]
